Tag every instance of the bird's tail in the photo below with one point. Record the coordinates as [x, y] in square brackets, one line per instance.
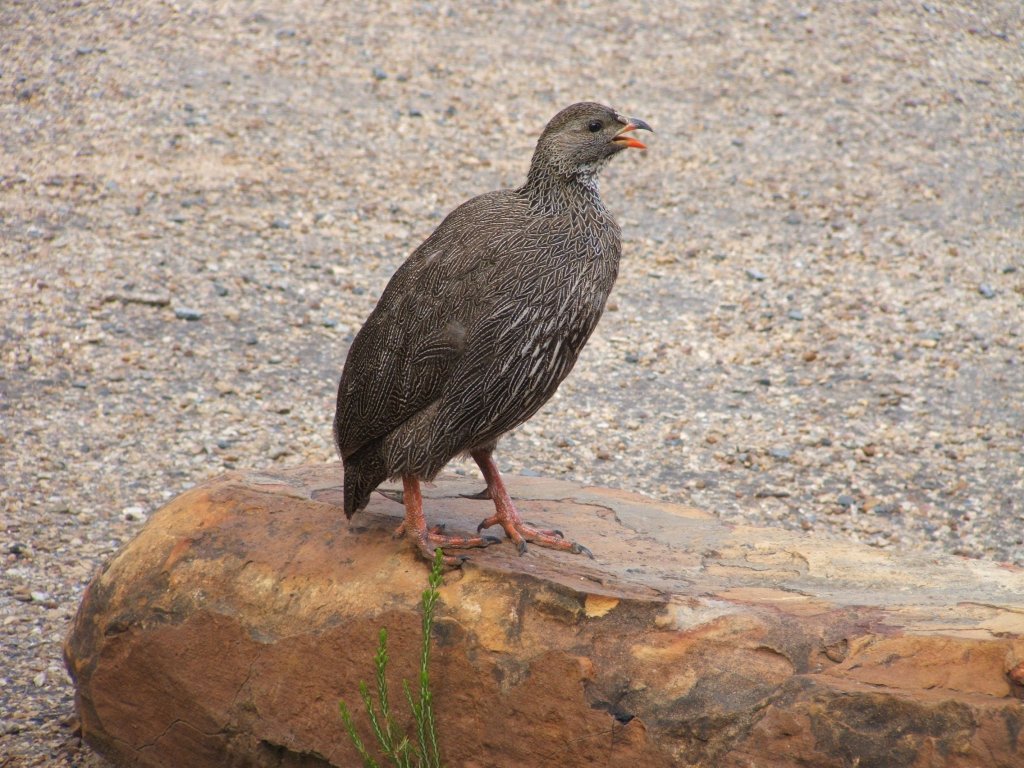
[364, 471]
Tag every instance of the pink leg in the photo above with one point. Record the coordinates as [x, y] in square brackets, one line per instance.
[415, 526]
[508, 518]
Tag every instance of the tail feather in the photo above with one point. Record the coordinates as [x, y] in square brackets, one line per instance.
[364, 471]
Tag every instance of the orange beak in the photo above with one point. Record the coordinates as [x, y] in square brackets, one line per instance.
[632, 124]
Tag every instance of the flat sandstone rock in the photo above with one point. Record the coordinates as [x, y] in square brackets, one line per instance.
[226, 632]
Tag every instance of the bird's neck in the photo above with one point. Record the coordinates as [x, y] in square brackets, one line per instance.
[555, 193]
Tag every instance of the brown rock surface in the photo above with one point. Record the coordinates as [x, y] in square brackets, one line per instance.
[226, 632]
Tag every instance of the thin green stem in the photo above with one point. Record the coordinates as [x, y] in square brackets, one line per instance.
[426, 723]
[346, 718]
[396, 747]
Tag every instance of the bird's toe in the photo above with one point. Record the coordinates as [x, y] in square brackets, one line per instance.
[427, 552]
[543, 532]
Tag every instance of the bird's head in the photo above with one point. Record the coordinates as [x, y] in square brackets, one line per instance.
[580, 139]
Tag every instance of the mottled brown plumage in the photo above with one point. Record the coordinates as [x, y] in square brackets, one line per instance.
[476, 330]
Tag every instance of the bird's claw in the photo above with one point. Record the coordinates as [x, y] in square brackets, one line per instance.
[484, 494]
[579, 549]
[392, 494]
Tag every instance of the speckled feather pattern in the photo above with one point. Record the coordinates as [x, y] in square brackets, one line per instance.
[476, 330]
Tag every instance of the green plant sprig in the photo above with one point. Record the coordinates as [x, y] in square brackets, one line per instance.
[398, 749]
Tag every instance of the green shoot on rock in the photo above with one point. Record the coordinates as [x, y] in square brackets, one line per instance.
[398, 749]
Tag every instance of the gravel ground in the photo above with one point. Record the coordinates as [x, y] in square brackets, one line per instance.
[818, 323]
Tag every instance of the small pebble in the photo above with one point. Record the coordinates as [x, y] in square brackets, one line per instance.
[133, 513]
[187, 313]
[987, 291]
[145, 299]
[756, 274]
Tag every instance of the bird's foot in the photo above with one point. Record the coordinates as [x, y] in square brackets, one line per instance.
[428, 540]
[484, 494]
[521, 532]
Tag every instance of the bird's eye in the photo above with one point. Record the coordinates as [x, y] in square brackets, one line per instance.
[595, 126]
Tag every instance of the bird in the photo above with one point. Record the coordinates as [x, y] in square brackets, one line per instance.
[475, 331]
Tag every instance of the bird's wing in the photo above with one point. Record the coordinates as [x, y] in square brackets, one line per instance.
[401, 359]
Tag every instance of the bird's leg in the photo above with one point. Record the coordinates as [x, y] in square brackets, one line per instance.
[415, 526]
[508, 517]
